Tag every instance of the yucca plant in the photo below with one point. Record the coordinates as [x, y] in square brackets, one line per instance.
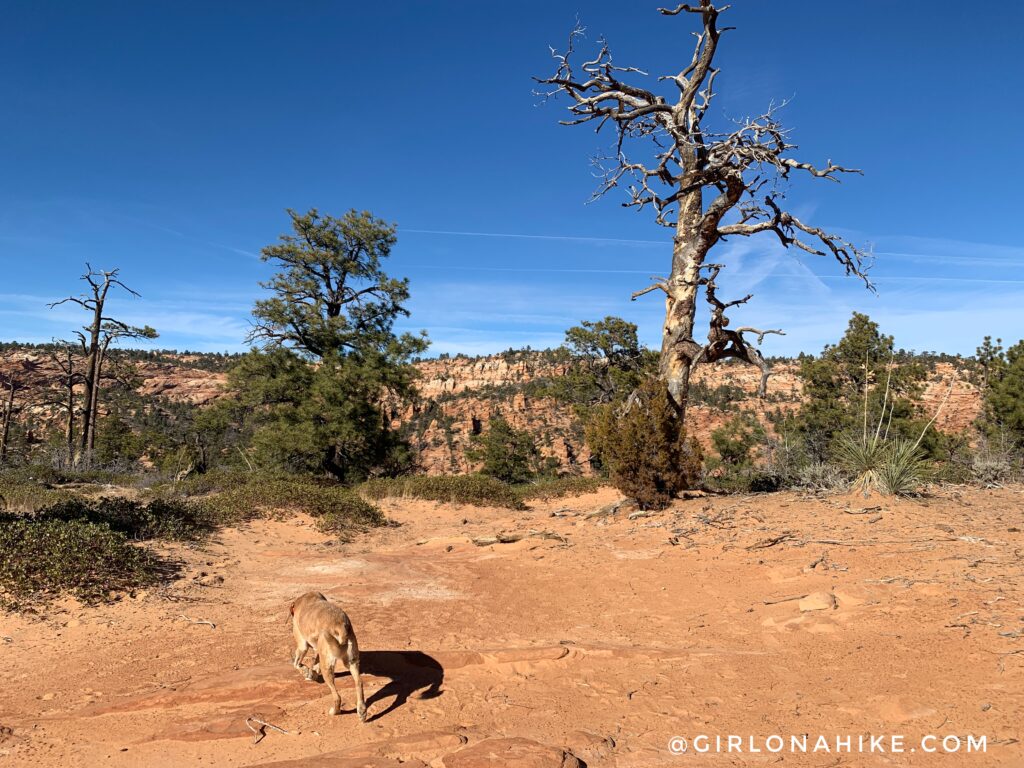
[903, 468]
[863, 458]
[891, 465]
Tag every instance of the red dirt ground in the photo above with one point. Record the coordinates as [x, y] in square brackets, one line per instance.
[593, 647]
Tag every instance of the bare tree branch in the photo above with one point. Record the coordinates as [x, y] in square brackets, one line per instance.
[705, 183]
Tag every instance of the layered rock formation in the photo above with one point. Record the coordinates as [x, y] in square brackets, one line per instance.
[459, 396]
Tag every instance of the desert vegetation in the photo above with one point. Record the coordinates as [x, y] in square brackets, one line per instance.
[566, 556]
[276, 439]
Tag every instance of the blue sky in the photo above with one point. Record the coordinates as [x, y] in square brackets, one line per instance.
[168, 138]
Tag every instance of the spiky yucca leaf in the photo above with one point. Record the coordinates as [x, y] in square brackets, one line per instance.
[861, 457]
[903, 469]
[895, 466]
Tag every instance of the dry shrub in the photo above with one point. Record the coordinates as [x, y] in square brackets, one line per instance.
[337, 509]
[644, 447]
[28, 495]
[477, 490]
[559, 487]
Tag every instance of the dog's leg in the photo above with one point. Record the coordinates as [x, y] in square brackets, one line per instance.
[301, 647]
[352, 658]
[327, 670]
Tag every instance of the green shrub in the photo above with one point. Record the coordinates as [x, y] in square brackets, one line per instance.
[159, 519]
[744, 478]
[41, 558]
[477, 490]
[507, 454]
[645, 448]
[559, 487]
[735, 439]
[230, 497]
[216, 480]
[334, 502]
[48, 475]
[347, 513]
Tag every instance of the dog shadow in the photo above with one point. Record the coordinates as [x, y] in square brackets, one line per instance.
[408, 673]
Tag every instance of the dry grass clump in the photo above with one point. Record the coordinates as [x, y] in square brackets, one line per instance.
[477, 490]
[27, 496]
[559, 487]
[338, 510]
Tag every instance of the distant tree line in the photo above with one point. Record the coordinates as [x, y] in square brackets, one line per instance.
[327, 372]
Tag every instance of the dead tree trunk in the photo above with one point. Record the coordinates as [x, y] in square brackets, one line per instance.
[92, 373]
[678, 349]
[64, 396]
[95, 339]
[742, 167]
[89, 438]
[8, 416]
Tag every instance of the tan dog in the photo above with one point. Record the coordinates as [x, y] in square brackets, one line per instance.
[323, 626]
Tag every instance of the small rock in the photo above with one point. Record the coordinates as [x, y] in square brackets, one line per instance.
[604, 511]
[501, 538]
[986, 707]
[819, 601]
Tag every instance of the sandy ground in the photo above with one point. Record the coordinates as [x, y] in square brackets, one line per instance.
[591, 647]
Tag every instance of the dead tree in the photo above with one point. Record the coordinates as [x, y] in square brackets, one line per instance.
[62, 395]
[12, 383]
[95, 340]
[724, 342]
[705, 185]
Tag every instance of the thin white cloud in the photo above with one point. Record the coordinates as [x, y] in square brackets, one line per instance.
[572, 238]
[192, 325]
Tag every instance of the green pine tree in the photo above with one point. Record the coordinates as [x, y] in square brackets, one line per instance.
[855, 383]
[328, 356]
